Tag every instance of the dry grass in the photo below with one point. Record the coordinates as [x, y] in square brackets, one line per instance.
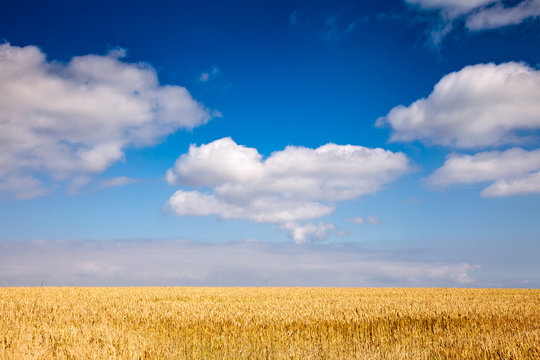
[268, 323]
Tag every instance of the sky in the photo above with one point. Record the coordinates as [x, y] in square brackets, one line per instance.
[270, 143]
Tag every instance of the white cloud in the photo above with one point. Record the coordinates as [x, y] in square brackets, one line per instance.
[451, 7]
[331, 172]
[476, 14]
[480, 105]
[59, 121]
[261, 209]
[513, 171]
[291, 185]
[523, 185]
[484, 105]
[499, 15]
[242, 263]
[486, 166]
[310, 231]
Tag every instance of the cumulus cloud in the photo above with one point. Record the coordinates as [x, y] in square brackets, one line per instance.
[478, 106]
[476, 14]
[486, 166]
[484, 105]
[517, 186]
[263, 209]
[187, 263]
[331, 172]
[514, 171]
[291, 185]
[64, 120]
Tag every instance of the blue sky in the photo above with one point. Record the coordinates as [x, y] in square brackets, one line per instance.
[388, 143]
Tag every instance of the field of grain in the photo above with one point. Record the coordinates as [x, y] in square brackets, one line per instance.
[268, 323]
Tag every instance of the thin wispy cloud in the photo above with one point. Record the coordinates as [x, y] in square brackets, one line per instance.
[334, 30]
[117, 181]
[500, 15]
[213, 73]
[243, 263]
[369, 219]
[475, 15]
[356, 220]
[373, 220]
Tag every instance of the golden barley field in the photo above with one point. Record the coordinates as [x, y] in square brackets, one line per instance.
[268, 323]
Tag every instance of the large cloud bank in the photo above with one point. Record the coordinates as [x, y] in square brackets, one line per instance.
[63, 121]
[478, 106]
[186, 263]
[289, 186]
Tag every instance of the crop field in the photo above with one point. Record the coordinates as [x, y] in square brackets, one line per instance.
[268, 323]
